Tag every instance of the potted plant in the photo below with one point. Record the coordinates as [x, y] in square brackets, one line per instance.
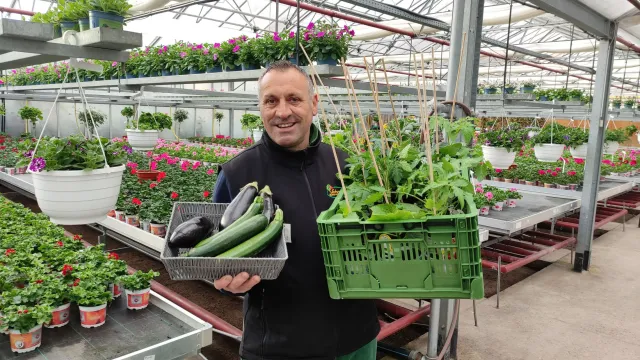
[219, 117]
[549, 143]
[70, 12]
[75, 182]
[128, 113]
[91, 119]
[325, 42]
[616, 102]
[179, 116]
[24, 324]
[111, 269]
[483, 200]
[57, 294]
[562, 181]
[137, 287]
[508, 88]
[574, 178]
[31, 114]
[500, 146]
[160, 213]
[612, 140]
[499, 197]
[489, 87]
[512, 196]
[527, 87]
[108, 13]
[543, 95]
[575, 94]
[254, 124]
[577, 140]
[229, 55]
[92, 295]
[145, 131]
[131, 210]
[629, 102]
[249, 54]
[497, 175]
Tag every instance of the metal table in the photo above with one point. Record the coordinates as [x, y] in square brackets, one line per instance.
[608, 188]
[532, 209]
[162, 331]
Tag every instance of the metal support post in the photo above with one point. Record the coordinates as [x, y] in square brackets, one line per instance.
[498, 282]
[231, 114]
[598, 125]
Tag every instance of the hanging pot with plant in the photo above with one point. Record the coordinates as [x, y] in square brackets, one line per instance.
[137, 287]
[612, 140]
[500, 146]
[76, 181]
[577, 140]
[144, 132]
[254, 124]
[549, 144]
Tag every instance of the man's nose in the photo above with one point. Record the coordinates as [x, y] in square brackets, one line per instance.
[283, 110]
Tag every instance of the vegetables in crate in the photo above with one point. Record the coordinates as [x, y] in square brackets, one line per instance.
[254, 209]
[260, 241]
[239, 205]
[191, 232]
[230, 237]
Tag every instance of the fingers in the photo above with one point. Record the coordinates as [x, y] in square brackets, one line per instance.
[239, 284]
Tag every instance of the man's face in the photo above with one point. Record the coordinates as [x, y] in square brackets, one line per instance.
[286, 108]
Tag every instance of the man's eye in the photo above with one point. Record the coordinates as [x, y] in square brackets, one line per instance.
[294, 100]
[271, 101]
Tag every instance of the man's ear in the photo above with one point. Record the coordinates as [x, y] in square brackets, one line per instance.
[314, 104]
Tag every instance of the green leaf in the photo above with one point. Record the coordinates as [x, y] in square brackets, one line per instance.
[450, 150]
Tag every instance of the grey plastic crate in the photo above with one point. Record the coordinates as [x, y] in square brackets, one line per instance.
[267, 265]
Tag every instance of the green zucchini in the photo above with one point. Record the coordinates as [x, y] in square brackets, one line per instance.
[230, 237]
[259, 242]
[254, 209]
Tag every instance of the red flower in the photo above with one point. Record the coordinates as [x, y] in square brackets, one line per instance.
[113, 256]
[571, 173]
[206, 194]
[498, 171]
[579, 161]
[60, 243]
[558, 169]
[541, 172]
[161, 175]
[133, 171]
[152, 185]
[76, 282]
[210, 172]
[633, 163]
[9, 252]
[136, 201]
[548, 171]
[174, 195]
[39, 281]
[77, 237]
[555, 173]
[66, 269]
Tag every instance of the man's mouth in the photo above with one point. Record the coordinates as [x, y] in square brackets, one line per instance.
[284, 126]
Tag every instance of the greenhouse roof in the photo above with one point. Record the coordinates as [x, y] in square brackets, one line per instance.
[531, 28]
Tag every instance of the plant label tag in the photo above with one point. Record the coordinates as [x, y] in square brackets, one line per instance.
[286, 233]
[150, 357]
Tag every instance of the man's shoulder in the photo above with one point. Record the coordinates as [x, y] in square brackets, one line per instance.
[325, 150]
[247, 155]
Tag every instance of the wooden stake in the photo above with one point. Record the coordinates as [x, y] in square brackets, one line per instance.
[353, 117]
[375, 99]
[393, 108]
[455, 93]
[435, 98]
[424, 131]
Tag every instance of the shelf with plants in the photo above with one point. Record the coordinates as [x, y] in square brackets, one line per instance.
[221, 140]
[209, 155]
[45, 271]
[489, 198]
[237, 59]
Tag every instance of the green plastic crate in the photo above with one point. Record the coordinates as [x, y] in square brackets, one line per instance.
[437, 257]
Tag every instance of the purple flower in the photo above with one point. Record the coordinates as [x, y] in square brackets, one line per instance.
[14, 71]
[205, 51]
[236, 48]
[345, 28]
[320, 34]
[292, 35]
[338, 36]
[28, 153]
[199, 47]
[276, 38]
[310, 26]
[127, 149]
[352, 33]
[216, 45]
[159, 51]
[257, 36]
[215, 57]
[244, 37]
[37, 164]
[231, 41]
[183, 54]
[566, 137]
[306, 36]
[165, 48]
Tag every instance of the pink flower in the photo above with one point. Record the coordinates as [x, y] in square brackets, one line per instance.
[479, 190]
[276, 38]
[633, 163]
[310, 26]
[231, 41]
[236, 48]
[579, 161]
[489, 195]
[352, 33]
[205, 51]
[216, 45]
[498, 171]
[183, 54]
[558, 169]
[292, 35]
[185, 165]
[306, 36]
[606, 161]
[257, 36]
[513, 189]
[320, 34]
[215, 57]
[554, 173]
[571, 173]
[210, 172]
[199, 47]
[196, 165]
[154, 165]
[541, 172]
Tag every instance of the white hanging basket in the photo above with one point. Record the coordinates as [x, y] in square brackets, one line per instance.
[142, 139]
[257, 134]
[610, 147]
[548, 152]
[638, 136]
[77, 197]
[499, 157]
[532, 133]
[579, 152]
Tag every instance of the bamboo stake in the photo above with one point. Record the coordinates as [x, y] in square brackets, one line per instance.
[435, 98]
[353, 119]
[375, 99]
[455, 92]
[393, 108]
[425, 130]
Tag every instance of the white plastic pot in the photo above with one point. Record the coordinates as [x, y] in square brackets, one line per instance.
[92, 316]
[116, 290]
[120, 215]
[548, 152]
[132, 220]
[499, 157]
[257, 135]
[610, 147]
[77, 197]
[511, 203]
[499, 205]
[25, 342]
[59, 316]
[579, 152]
[143, 139]
[158, 229]
[484, 210]
[137, 299]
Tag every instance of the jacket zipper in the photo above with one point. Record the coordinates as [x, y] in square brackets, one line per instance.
[306, 179]
[264, 324]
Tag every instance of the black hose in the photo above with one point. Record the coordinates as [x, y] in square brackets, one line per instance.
[399, 353]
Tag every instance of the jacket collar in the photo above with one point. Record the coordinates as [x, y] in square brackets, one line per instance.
[293, 158]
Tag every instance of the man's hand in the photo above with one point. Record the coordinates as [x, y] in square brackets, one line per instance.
[239, 284]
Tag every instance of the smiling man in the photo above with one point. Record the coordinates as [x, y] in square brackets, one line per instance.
[293, 317]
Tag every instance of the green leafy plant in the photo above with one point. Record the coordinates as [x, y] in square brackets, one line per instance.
[616, 101]
[249, 54]
[575, 137]
[118, 7]
[91, 119]
[73, 10]
[511, 138]
[251, 122]
[324, 40]
[32, 114]
[551, 134]
[24, 318]
[152, 121]
[90, 291]
[616, 135]
[180, 115]
[138, 280]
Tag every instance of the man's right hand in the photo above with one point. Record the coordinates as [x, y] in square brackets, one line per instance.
[239, 284]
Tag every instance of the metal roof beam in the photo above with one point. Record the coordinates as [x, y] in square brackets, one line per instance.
[400, 13]
[579, 14]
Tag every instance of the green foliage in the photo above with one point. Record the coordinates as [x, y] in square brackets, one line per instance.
[251, 121]
[117, 7]
[138, 280]
[73, 10]
[152, 121]
[180, 115]
[92, 119]
[511, 138]
[617, 135]
[250, 52]
[32, 114]
[324, 40]
[75, 153]
[551, 134]
[576, 137]
[24, 318]
[91, 291]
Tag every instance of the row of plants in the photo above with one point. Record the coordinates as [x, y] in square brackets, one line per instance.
[226, 141]
[82, 15]
[44, 272]
[493, 198]
[325, 43]
[206, 154]
[491, 87]
[630, 102]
